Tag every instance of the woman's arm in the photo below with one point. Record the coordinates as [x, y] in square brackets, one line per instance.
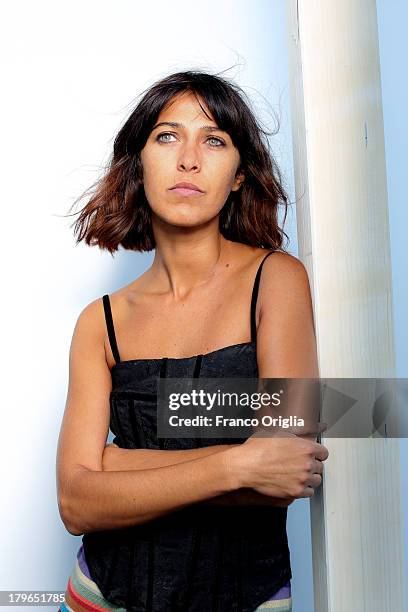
[286, 343]
[118, 459]
[108, 500]
[122, 459]
[90, 499]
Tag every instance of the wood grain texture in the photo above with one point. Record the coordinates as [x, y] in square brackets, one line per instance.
[344, 242]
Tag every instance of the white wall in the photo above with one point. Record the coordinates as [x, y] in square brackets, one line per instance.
[69, 73]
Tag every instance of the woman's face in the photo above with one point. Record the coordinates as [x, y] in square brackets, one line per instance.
[193, 151]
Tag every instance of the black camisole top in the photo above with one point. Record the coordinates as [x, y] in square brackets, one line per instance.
[199, 558]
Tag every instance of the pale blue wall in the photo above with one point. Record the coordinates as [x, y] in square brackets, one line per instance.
[392, 28]
[70, 72]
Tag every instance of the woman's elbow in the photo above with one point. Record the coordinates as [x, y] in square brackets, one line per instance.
[69, 516]
[72, 495]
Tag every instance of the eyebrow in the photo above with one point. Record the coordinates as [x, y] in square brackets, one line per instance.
[175, 124]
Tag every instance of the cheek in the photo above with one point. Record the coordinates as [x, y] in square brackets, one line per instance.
[156, 166]
[223, 168]
[224, 179]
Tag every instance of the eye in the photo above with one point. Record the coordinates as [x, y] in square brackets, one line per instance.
[158, 138]
[220, 142]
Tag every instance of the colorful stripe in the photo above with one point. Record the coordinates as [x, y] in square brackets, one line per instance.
[83, 595]
[280, 602]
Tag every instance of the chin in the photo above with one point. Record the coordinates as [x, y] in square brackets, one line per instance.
[186, 218]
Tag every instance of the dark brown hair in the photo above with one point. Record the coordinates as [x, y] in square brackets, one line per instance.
[118, 212]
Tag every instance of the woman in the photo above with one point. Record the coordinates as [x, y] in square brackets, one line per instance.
[185, 524]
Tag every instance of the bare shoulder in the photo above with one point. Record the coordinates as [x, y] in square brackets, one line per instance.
[91, 321]
[283, 275]
[91, 318]
[280, 260]
[284, 261]
[88, 336]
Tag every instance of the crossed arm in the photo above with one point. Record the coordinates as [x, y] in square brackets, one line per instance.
[118, 459]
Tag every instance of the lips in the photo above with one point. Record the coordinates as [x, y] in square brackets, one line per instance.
[186, 192]
[186, 187]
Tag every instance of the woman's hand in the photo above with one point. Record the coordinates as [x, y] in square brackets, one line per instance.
[283, 466]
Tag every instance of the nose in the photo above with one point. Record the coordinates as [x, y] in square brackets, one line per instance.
[188, 159]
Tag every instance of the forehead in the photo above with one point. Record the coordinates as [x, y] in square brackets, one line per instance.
[186, 106]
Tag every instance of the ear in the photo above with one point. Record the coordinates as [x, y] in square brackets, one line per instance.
[239, 179]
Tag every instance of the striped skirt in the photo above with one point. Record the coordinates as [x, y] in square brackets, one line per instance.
[83, 595]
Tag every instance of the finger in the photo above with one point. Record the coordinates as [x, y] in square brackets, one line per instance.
[308, 492]
[321, 452]
[314, 481]
[318, 467]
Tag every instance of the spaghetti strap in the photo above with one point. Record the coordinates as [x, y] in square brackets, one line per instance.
[255, 297]
[110, 327]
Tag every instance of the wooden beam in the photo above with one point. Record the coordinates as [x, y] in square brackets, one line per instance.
[344, 242]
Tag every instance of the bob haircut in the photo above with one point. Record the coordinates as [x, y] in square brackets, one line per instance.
[118, 212]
